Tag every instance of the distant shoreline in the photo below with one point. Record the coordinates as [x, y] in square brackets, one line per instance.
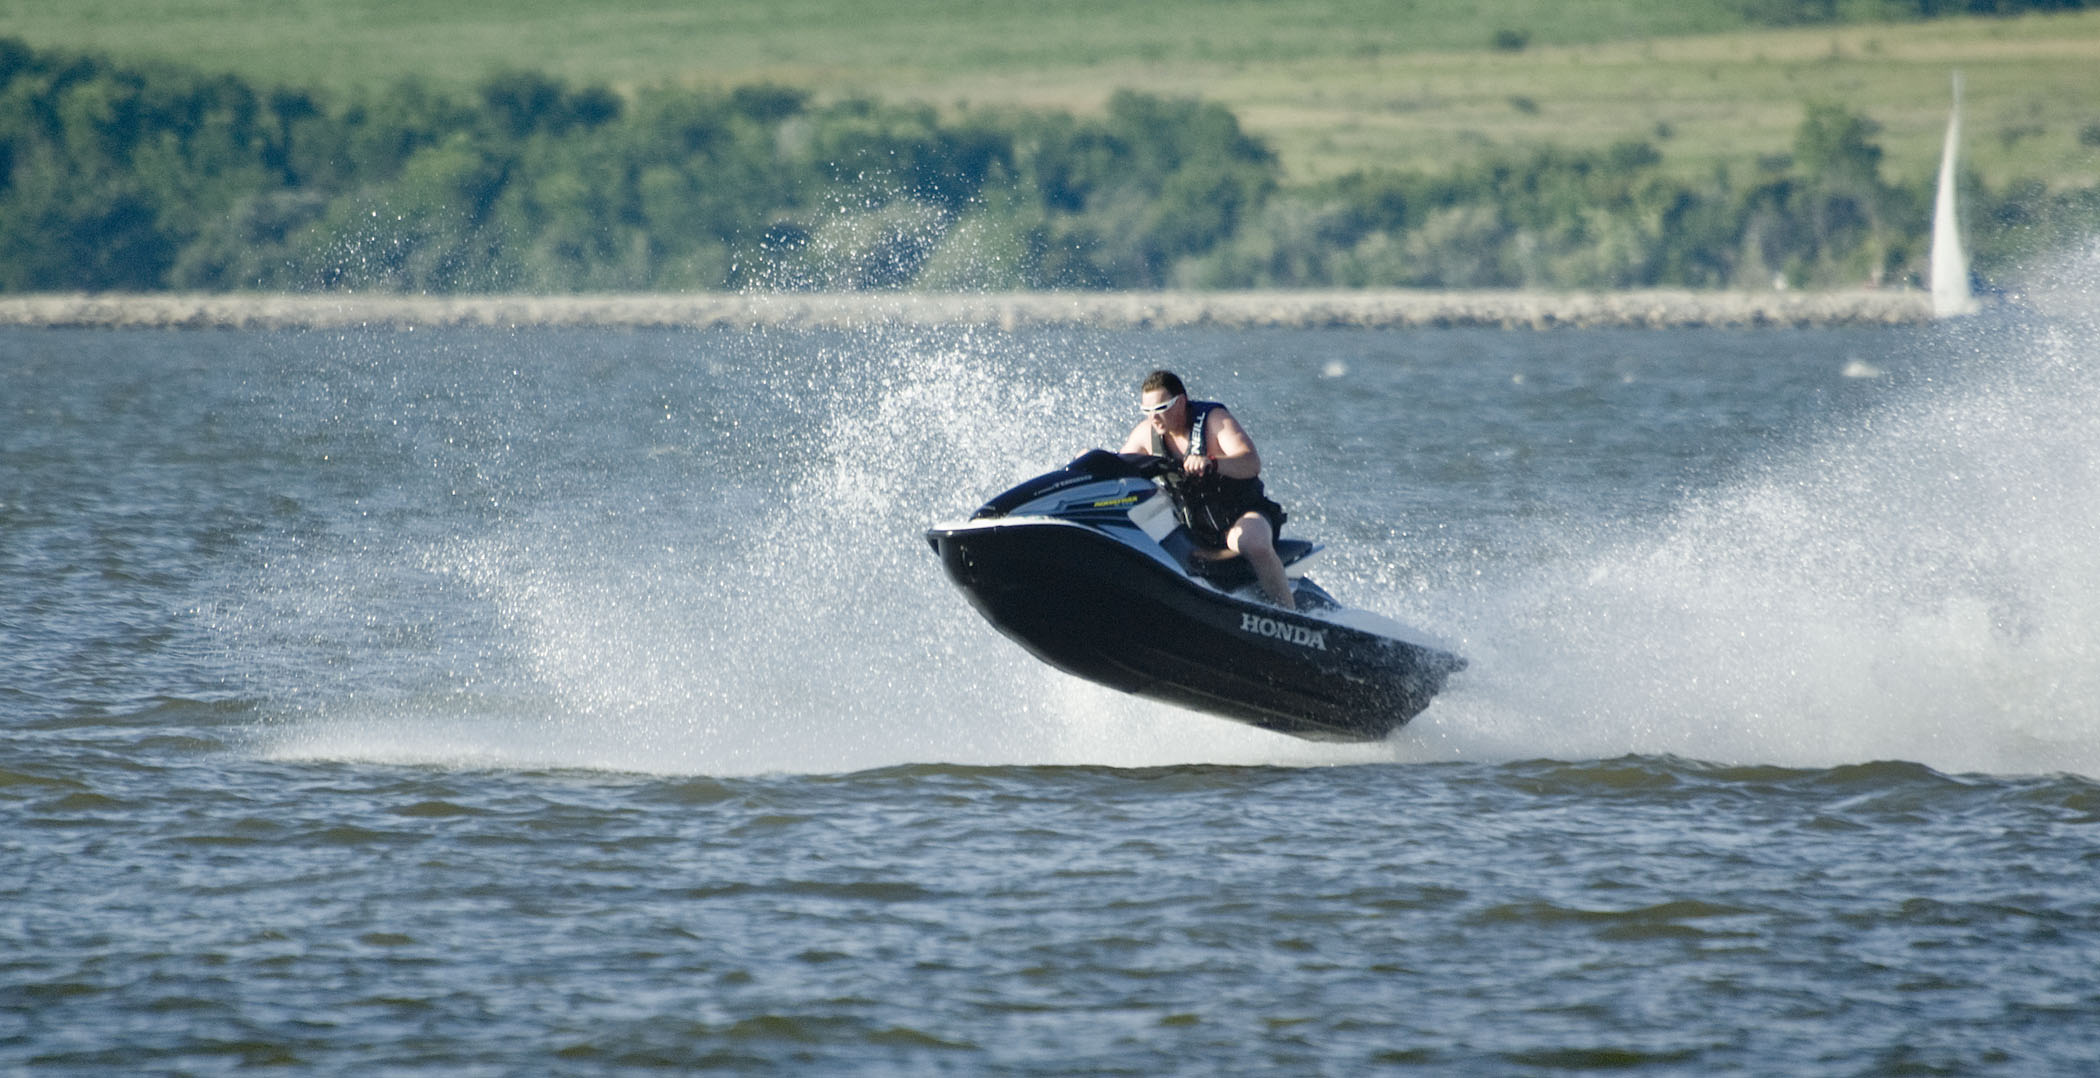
[1382, 309]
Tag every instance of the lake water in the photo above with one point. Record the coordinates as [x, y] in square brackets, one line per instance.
[587, 702]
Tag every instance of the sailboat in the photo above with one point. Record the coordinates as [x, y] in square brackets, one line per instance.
[1950, 266]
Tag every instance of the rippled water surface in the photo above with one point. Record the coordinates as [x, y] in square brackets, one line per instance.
[587, 702]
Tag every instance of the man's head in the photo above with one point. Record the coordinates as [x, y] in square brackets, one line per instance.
[1164, 400]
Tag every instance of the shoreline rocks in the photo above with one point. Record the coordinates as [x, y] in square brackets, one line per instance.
[1386, 309]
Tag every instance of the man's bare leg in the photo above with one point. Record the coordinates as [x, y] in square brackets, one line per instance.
[1256, 542]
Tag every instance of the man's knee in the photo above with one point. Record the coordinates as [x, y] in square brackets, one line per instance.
[1252, 536]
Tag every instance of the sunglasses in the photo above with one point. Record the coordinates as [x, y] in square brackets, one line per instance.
[1162, 406]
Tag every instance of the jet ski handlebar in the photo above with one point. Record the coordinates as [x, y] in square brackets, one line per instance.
[1102, 464]
[1148, 466]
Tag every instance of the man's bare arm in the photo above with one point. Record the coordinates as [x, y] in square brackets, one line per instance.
[1236, 455]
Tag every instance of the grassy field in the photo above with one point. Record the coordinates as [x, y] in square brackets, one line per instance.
[1334, 85]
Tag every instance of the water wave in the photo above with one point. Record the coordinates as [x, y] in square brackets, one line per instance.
[1919, 583]
[1916, 582]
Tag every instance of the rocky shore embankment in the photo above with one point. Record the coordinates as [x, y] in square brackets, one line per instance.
[1658, 309]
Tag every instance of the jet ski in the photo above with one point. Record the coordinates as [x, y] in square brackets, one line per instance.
[1090, 568]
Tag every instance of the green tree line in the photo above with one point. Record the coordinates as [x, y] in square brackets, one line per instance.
[1806, 12]
[128, 177]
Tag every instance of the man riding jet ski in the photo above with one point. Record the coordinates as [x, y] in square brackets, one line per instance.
[1218, 486]
[1095, 570]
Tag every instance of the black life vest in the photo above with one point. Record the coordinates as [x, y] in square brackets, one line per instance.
[1211, 504]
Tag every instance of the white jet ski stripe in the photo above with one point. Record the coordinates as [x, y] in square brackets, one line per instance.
[1285, 631]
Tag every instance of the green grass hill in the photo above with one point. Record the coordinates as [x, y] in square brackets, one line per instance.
[1334, 86]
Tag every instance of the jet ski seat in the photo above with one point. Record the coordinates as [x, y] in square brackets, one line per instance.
[1225, 568]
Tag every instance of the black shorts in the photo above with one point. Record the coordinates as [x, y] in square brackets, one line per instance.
[1209, 522]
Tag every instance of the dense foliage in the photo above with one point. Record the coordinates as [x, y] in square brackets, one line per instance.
[1804, 12]
[128, 178]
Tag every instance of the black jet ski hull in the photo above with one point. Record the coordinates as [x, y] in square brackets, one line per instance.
[1111, 613]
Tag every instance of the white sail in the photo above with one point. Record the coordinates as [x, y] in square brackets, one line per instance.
[1950, 267]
